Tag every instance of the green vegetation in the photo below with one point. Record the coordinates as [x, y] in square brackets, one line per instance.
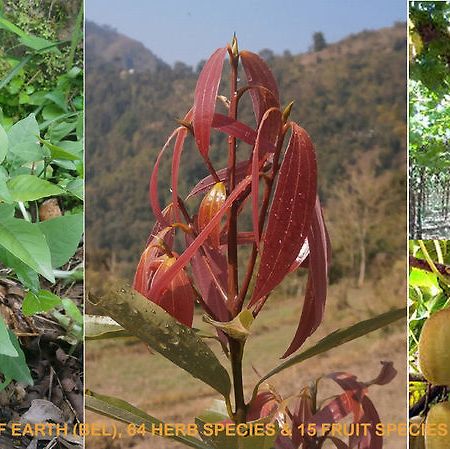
[41, 162]
[429, 119]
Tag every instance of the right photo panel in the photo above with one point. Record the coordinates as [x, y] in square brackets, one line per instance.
[429, 225]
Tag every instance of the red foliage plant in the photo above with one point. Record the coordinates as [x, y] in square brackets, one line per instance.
[278, 179]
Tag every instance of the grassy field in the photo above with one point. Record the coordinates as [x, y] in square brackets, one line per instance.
[125, 368]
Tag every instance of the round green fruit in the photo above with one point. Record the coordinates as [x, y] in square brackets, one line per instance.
[437, 435]
[434, 348]
[416, 438]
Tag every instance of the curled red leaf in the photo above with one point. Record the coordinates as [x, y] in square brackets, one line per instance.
[290, 213]
[177, 298]
[269, 131]
[205, 97]
[258, 73]
[180, 133]
[316, 288]
[177, 151]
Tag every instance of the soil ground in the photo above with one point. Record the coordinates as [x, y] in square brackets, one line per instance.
[126, 369]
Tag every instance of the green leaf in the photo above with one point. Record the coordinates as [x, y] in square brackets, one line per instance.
[338, 338]
[6, 345]
[23, 142]
[164, 334]
[63, 235]
[3, 144]
[38, 43]
[26, 242]
[9, 26]
[58, 152]
[15, 368]
[7, 210]
[123, 411]
[5, 194]
[26, 275]
[76, 188]
[102, 327]
[41, 302]
[29, 187]
[72, 311]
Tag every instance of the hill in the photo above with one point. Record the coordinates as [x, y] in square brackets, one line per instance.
[104, 45]
[351, 98]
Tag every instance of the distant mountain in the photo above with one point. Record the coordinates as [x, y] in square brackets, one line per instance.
[104, 45]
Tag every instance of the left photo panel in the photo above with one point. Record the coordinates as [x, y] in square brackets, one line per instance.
[41, 223]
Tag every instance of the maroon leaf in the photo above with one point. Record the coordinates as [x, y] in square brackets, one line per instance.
[372, 440]
[205, 97]
[178, 149]
[386, 375]
[177, 298]
[316, 289]
[263, 405]
[258, 73]
[269, 130]
[184, 258]
[149, 261]
[153, 189]
[242, 170]
[158, 227]
[290, 214]
[209, 272]
[234, 128]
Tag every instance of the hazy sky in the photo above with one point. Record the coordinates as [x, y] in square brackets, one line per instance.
[189, 30]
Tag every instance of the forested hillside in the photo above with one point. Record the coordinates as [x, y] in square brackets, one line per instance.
[350, 97]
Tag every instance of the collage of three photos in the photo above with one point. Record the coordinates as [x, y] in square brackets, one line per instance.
[224, 226]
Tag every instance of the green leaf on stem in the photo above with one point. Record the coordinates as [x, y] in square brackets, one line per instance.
[338, 338]
[123, 411]
[23, 144]
[63, 235]
[164, 334]
[14, 368]
[26, 275]
[28, 188]
[25, 241]
[6, 346]
[40, 302]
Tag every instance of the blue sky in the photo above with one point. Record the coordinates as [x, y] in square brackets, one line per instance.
[189, 30]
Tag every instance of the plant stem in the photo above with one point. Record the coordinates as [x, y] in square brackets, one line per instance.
[232, 215]
[23, 210]
[236, 353]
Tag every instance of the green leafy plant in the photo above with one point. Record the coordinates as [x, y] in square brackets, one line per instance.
[429, 120]
[41, 159]
[191, 258]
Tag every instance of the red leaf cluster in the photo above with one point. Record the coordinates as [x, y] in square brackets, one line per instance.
[353, 401]
[277, 179]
